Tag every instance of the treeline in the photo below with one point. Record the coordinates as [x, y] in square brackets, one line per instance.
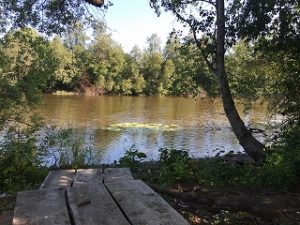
[79, 63]
[99, 65]
[96, 64]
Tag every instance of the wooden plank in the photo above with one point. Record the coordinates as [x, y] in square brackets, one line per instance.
[88, 176]
[41, 207]
[58, 179]
[115, 174]
[6, 217]
[90, 203]
[142, 205]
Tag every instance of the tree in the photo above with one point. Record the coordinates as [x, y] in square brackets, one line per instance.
[166, 81]
[24, 68]
[48, 16]
[274, 27]
[136, 55]
[65, 65]
[212, 46]
[24, 55]
[191, 72]
[75, 37]
[152, 61]
[250, 72]
[106, 61]
[154, 43]
[132, 72]
[152, 70]
[26, 63]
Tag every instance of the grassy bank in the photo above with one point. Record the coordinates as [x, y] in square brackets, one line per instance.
[231, 189]
[223, 190]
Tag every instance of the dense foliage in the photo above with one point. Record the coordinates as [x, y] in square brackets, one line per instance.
[24, 55]
[48, 16]
[100, 66]
[177, 166]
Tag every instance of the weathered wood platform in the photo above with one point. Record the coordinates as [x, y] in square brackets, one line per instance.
[91, 197]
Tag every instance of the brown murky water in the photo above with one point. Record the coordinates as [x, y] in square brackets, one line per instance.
[149, 123]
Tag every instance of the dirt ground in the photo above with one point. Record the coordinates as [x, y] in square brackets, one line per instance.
[200, 205]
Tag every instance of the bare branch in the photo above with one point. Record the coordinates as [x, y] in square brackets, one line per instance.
[193, 1]
[198, 43]
[209, 2]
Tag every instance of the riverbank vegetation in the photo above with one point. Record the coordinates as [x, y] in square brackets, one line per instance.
[220, 190]
[262, 60]
[98, 65]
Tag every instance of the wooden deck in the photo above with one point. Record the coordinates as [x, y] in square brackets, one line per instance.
[91, 197]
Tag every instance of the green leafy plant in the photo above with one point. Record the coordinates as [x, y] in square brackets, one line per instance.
[66, 146]
[132, 158]
[176, 165]
[20, 164]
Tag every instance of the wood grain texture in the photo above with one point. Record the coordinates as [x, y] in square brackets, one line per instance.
[115, 174]
[90, 202]
[142, 205]
[58, 179]
[41, 207]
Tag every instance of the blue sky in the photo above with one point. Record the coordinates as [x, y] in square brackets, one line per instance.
[132, 21]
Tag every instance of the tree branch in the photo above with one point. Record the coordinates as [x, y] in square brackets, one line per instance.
[198, 43]
[97, 3]
[193, 1]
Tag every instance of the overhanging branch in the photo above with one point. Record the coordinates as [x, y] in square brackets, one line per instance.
[198, 43]
[210, 2]
[97, 3]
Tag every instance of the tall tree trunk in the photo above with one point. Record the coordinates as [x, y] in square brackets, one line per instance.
[252, 146]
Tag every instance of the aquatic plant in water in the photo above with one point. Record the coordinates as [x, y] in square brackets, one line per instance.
[148, 126]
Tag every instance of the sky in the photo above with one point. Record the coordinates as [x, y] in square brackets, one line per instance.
[132, 21]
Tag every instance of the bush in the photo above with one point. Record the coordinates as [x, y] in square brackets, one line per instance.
[132, 158]
[282, 168]
[20, 165]
[67, 149]
[176, 165]
[279, 172]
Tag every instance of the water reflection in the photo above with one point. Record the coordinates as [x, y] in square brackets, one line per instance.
[204, 127]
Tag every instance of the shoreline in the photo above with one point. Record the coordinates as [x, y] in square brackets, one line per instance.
[208, 204]
[94, 93]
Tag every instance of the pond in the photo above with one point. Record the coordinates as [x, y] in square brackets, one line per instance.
[115, 123]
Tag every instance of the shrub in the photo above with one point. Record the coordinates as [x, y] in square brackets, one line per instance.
[176, 165]
[20, 165]
[67, 148]
[132, 158]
